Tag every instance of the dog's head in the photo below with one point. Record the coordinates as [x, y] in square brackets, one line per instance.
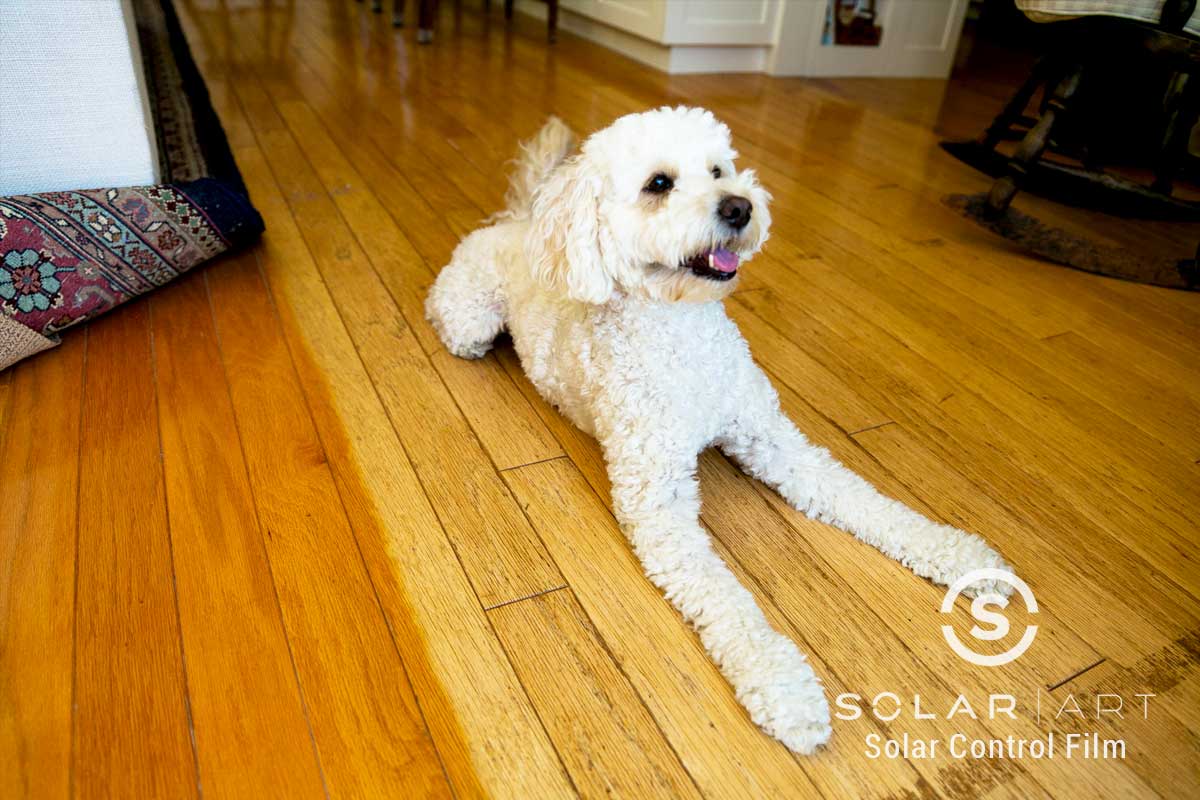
[651, 206]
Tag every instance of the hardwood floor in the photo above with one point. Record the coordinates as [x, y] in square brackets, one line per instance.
[262, 536]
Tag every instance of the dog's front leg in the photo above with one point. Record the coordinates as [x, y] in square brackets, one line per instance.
[768, 446]
[656, 499]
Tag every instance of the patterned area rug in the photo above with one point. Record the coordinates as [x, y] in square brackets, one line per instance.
[66, 257]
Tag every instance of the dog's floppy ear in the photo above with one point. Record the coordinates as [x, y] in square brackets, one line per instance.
[563, 244]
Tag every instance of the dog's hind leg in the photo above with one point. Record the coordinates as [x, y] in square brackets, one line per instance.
[768, 446]
[466, 303]
[656, 499]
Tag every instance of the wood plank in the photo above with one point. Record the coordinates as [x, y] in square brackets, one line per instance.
[1041, 452]
[5, 397]
[506, 426]
[355, 686]
[1184, 704]
[1168, 412]
[376, 201]
[132, 724]
[981, 349]
[1035, 504]
[500, 551]
[363, 183]
[1071, 591]
[482, 724]
[1041, 299]
[39, 472]
[1147, 698]
[500, 417]
[607, 738]
[438, 144]
[577, 445]
[722, 750]
[924, 236]
[228, 605]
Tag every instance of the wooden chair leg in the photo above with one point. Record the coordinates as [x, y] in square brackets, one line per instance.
[1014, 109]
[508, 10]
[1184, 111]
[426, 12]
[551, 20]
[398, 14]
[1033, 145]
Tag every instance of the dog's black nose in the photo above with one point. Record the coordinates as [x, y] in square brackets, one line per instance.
[734, 211]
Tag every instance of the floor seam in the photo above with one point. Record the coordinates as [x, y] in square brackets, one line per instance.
[533, 463]
[871, 427]
[1075, 675]
[523, 598]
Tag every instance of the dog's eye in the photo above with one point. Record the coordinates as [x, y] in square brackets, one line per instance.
[659, 184]
[716, 172]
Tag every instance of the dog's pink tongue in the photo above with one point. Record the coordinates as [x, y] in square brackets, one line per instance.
[723, 260]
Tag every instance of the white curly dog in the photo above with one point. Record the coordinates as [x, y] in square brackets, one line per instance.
[608, 268]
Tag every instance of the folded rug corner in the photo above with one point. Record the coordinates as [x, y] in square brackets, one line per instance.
[68, 256]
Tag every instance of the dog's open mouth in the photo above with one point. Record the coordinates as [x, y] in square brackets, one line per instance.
[717, 265]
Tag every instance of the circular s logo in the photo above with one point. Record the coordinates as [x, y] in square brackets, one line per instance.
[982, 609]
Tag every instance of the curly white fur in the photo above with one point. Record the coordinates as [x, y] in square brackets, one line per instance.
[590, 273]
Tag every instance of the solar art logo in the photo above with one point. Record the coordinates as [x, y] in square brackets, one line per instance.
[987, 609]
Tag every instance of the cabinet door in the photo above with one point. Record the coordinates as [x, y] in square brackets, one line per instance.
[928, 32]
[644, 18]
[919, 40]
[723, 22]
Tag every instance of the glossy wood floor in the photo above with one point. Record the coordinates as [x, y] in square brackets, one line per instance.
[262, 537]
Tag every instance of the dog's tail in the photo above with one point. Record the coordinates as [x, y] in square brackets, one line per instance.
[537, 158]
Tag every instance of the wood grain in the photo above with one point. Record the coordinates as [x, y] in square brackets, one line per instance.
[353, 565]
[132, 724]
[608, 740]
[228, 603]
[687, 696]
[480, 719]
[366, 724]
[37, 562]
[499, 550]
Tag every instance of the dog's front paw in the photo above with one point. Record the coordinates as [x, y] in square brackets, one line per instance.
[801, 733]
[785, 697]
[992, 586]
[469, 350]
[965, 553]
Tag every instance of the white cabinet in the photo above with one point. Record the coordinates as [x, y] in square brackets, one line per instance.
[919, 38]
[783, 37]
[645, 18]
[721, 22]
